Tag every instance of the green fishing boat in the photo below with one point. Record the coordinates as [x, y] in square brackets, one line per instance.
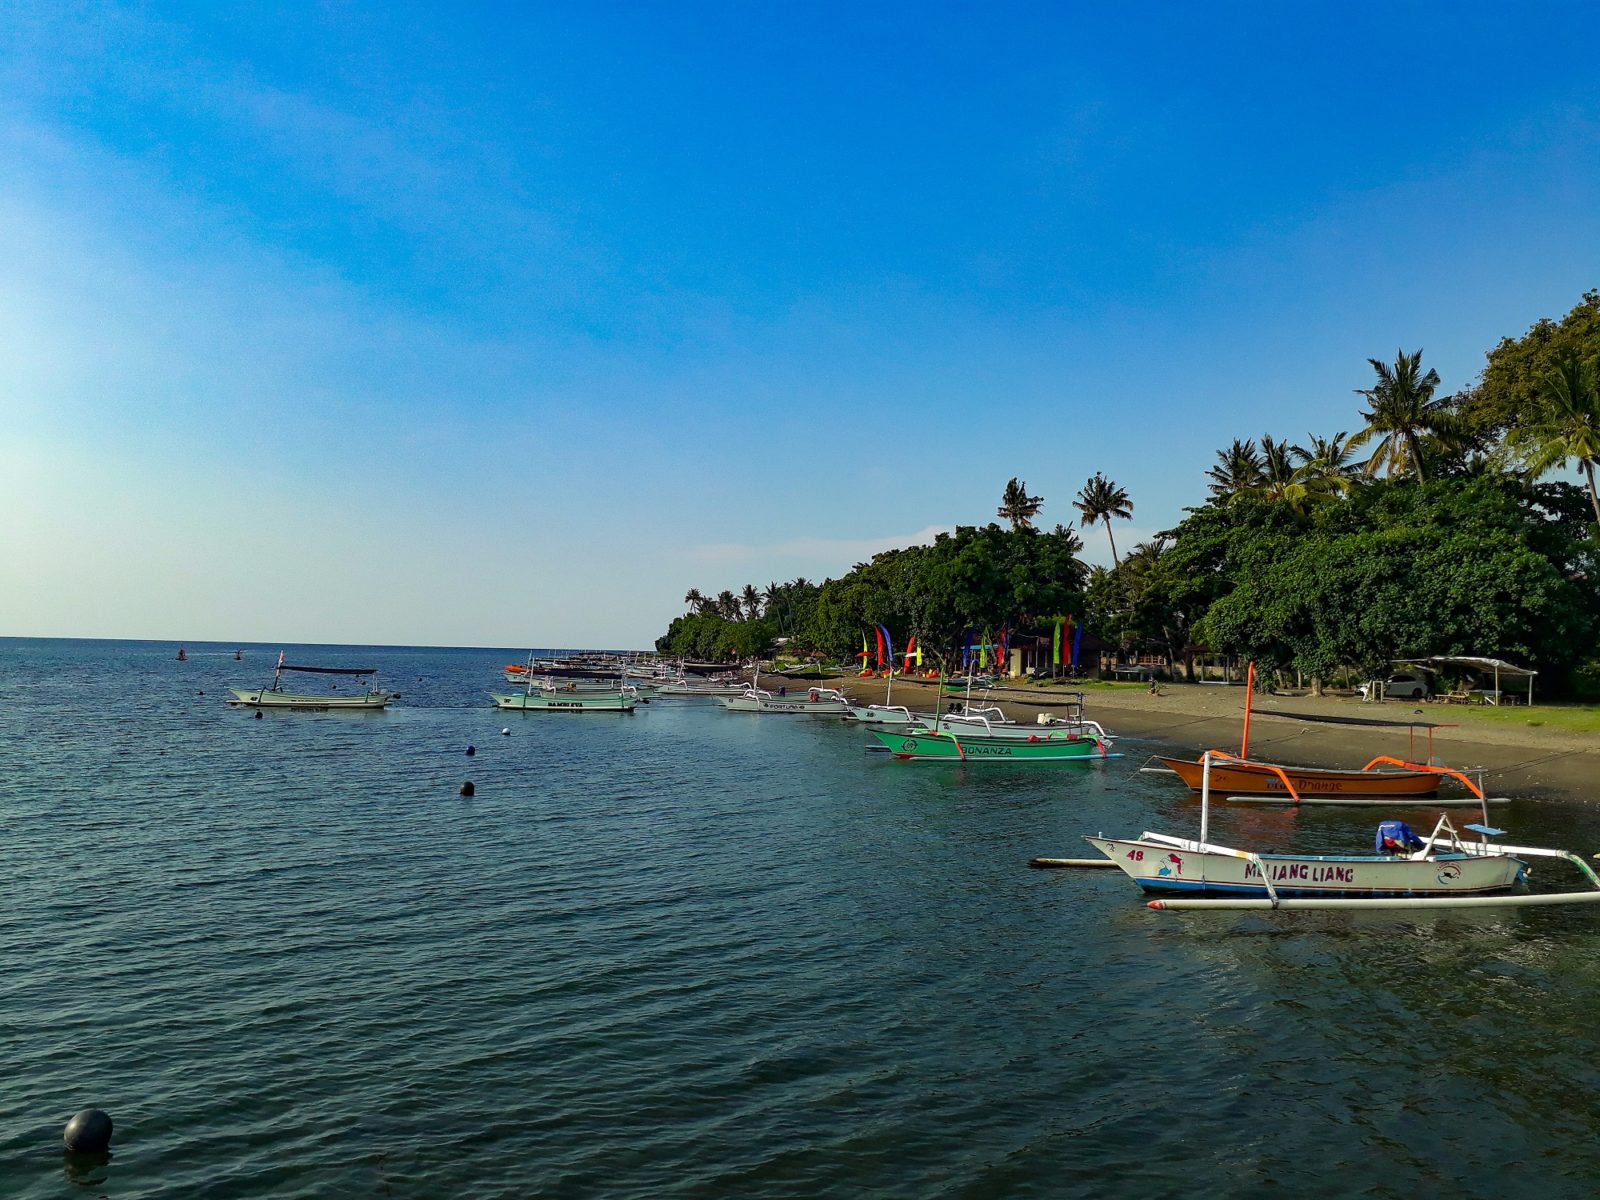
[925, 745]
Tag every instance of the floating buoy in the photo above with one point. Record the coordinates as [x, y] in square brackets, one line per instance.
[89, 1132]
[471, 750]
[258, 714]
[467, 789]
[505, 733]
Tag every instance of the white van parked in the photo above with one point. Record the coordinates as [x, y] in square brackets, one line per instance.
[1402, 685]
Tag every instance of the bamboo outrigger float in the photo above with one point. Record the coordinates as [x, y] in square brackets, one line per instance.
[1443, 871]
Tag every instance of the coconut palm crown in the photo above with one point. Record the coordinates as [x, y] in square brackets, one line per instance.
[1017, 506]
[1565, 425]
[1237, 472]
[1100, 500]
[1403, 414]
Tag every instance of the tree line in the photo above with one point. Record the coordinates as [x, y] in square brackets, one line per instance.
[1431, 528]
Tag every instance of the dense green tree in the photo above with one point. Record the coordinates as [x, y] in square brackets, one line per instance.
[710, 637]
[1448, 568]
[1100, 500]
[1017, 506]
[977, 577]
[1515, 370]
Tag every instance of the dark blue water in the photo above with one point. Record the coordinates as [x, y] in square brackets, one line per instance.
[704, 954]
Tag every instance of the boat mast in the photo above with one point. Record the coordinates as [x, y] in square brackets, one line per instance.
[1249, 692]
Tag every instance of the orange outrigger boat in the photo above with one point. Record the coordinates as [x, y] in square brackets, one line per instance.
[1251, 777]
[1242, 775]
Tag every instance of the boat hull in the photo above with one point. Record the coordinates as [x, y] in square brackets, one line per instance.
[1258, 779]
[782, 704]
[925, 746]
[878, 714]
[1168, 868]
[565, 702]
[693, 690]
[306, 701]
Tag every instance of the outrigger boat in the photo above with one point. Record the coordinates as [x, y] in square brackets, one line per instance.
[818, 701]
[275, 697]
[685, 688]
[587, 687]
[569, 695]
[1443, 870]
[1253, 777]
[1242, 775]
[986, 744]
[537, 700]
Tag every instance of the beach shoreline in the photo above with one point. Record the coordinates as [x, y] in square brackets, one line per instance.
[1519, 761]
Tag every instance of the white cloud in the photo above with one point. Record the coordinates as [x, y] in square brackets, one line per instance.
[835, 553]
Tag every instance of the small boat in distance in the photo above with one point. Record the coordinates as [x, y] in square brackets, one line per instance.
[818, 701]
[275, 697]
[570, 695]
[182, 657]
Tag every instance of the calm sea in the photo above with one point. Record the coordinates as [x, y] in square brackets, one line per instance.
[692, 953]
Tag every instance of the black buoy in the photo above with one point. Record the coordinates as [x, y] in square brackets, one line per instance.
[467, 789]
[89, 1132]
[258, 714]
[471, 750]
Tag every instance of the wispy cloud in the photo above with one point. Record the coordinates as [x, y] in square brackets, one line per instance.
[837, 553]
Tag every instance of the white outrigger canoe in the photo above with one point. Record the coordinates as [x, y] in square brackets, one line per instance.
[273, 696]
[537, 700]
[818, 701]
[1444, 870]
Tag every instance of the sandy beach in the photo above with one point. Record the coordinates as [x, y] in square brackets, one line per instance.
[1517, 760]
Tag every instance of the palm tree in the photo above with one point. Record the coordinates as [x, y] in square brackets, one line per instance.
[1238, 471]
[750, 599]
[727, 605]
[1277, 472]
[1566, 423]
[1070, 535]
[1403, 413]
[1100, 500]
[1328, 459]
[1017, 506]
[693, 600]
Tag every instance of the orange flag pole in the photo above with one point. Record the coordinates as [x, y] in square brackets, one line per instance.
[1249, 691]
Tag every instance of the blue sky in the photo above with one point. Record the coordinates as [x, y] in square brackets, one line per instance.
[506, 325]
